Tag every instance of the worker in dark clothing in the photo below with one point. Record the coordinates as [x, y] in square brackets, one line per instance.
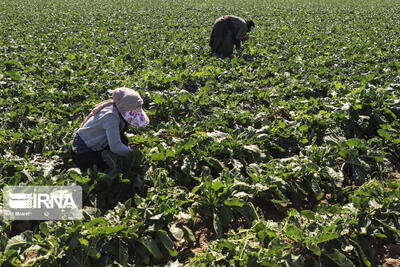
[228, 31]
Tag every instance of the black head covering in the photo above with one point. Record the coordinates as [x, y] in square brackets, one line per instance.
[250, 24]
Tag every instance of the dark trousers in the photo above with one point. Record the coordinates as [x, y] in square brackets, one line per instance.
[222, 38]
[88, 159]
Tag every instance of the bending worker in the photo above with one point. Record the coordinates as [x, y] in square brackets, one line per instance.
[228, 31]
[104, 127]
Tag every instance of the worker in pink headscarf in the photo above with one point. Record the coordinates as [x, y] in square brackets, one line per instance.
[103, 128]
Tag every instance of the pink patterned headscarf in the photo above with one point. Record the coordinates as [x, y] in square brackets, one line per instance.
[125, 99]
[136, 118]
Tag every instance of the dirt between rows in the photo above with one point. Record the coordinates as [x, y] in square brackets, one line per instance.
[388, 254]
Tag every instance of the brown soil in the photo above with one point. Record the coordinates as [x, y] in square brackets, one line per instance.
[32, 254]
[202, 228]
[388, 254]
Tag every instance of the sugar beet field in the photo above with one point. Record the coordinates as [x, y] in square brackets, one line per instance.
[287, 154]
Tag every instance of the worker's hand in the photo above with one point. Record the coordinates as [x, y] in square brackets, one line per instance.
[133, 145]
